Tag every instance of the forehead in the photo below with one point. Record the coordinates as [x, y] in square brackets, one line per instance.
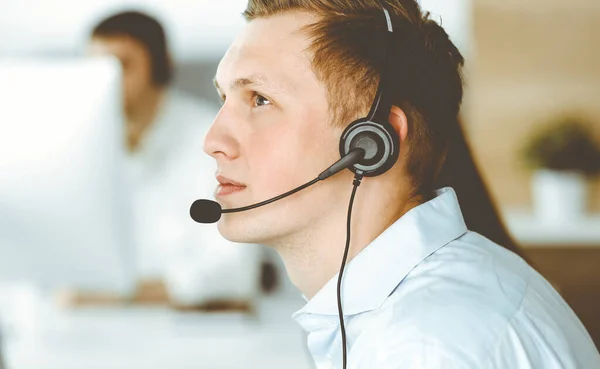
[274, 47]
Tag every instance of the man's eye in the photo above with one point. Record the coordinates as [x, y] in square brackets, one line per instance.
[260, 100]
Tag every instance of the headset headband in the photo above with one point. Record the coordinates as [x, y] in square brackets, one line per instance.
[380, 108]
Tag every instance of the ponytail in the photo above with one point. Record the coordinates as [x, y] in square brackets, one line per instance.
[460, 172]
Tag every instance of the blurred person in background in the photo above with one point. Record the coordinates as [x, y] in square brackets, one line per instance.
[165, 129]
[421, 289]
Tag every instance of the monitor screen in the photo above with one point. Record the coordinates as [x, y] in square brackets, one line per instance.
[65, 217]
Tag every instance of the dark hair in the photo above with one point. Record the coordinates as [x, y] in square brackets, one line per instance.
[460, 171]
[146, 30]
[346, 44]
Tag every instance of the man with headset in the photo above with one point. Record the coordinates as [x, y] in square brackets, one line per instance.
[419, 289]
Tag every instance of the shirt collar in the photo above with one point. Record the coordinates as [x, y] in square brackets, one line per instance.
[375, 272]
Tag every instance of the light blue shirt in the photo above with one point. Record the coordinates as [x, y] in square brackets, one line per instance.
[429, 294]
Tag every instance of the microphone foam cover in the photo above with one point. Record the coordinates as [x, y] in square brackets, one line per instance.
[205, 211]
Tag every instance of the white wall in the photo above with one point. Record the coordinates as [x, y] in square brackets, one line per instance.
[456, 18]
[197, 29]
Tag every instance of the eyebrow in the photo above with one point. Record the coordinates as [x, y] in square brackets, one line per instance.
[253, 80]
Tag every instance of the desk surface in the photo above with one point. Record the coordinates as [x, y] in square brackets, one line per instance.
[532, 232]
[155, 337]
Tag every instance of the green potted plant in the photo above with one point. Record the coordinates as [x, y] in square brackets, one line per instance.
[563, 156]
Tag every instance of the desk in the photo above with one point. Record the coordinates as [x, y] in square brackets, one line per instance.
[568, 255]
[157, 337]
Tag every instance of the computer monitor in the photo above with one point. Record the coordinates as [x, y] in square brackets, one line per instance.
[65, 214]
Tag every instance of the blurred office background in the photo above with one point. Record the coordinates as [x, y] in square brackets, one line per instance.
[530, 66]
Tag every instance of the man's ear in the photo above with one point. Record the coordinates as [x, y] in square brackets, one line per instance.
[399, 121]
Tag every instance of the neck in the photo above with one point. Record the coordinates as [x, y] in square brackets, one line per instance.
[141, 115]
[313, 256]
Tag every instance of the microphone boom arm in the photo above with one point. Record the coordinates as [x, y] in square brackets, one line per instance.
[353, 157]
[233, 210]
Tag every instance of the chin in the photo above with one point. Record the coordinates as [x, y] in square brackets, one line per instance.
[242, 228]
[235, 229]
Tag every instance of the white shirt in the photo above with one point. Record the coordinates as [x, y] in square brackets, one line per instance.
[428, 293]
[169, 172]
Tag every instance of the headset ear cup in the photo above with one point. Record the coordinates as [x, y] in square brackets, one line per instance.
[380, 142]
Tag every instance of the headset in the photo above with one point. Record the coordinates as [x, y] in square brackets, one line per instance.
[381, 144]
[368, 147]
[374, 133]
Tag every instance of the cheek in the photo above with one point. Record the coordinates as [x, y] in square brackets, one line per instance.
[288, 158]
[276, 153]
[320, 142]
[137, 79]
[131, 86]
[276, 164]
[127, 88]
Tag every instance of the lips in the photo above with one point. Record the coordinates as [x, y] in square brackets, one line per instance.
[226, 181]
[228, 186]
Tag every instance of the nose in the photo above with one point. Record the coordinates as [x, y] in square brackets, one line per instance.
[220, 142]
